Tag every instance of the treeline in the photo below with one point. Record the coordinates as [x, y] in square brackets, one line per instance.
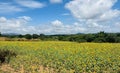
[96, 37]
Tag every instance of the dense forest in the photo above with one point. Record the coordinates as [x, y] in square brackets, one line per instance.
[91, 37]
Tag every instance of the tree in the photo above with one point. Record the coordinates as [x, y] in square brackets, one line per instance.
[35, 36]
[0, 34]
[101, 34]
[117, 40]
[20, 36]
[89, 37]
[118, 34]
[28, 36]
[110, 38]
[42, 36]
[100, 40]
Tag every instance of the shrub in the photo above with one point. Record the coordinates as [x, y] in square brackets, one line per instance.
[5, 55]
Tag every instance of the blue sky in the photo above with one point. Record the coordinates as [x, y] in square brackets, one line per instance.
[59, 16]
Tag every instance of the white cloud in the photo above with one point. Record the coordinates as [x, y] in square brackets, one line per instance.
[86, 9]
[109, 15]
[27, 18]
[9, 8]
[12, 25]
[56, 1]
[22, 26]
[19, 6]
[2, 19]
[117, 24]
[30, 3]
[97, 15]
[57, 23]
[60, 28]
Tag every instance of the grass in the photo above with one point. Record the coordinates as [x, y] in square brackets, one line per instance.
[63, 57]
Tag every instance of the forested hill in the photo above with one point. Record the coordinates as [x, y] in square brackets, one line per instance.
[92, 37]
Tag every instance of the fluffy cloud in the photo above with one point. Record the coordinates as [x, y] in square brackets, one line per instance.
[57, 27]
[30, 3]
[86, 9]
[21, 25]
[96, 14]
[12, 25]
[9, 8]
[2, 19]
[56, 1]
[57, 23]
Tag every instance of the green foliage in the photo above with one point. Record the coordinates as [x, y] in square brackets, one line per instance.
[20, 36]
[35, 36]
[28, 36]
[42, 37]
[0, 34]
[100, 40]
[111, 38]
[117, 39]
[89, 37]
[5, 55]
[96, 37]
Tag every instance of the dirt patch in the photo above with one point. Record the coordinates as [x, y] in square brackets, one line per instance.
[5, 68]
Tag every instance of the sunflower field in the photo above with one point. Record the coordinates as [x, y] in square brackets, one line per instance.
[61, 57]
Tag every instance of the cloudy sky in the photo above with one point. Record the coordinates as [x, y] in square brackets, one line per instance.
[59, 16]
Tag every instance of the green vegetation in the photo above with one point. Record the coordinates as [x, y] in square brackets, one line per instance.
[96, 37]
[5, 55]
[63, 57]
